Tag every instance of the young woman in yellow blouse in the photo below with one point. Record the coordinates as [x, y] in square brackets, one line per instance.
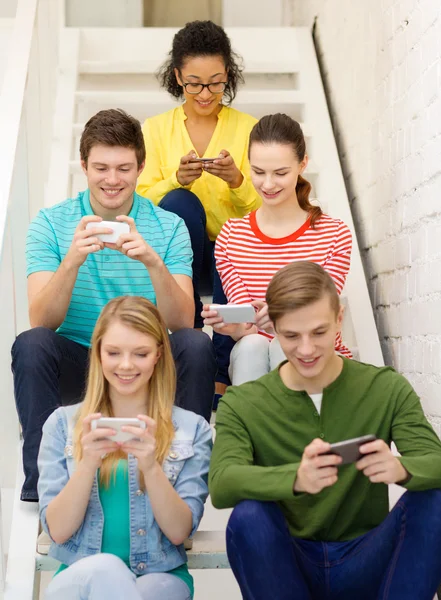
[204, 72]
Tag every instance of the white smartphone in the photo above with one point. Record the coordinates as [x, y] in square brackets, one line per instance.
[118, 229]
[235, 313]
[116, 423]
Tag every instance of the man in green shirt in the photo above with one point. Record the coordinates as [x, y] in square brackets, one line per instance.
[303, 527]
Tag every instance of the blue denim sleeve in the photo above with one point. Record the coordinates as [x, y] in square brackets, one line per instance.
[52, 467]
[192, 482]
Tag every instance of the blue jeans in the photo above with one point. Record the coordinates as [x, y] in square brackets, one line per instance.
[187, 205]
[50, 370]
[107, 576]
[398, 560]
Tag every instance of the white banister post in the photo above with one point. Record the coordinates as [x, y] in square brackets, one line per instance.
[40, 96]
[19, 216]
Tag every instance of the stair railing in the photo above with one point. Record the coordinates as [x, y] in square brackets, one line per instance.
[26, 105]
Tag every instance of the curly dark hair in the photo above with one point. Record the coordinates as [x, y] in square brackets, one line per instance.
[201, 38]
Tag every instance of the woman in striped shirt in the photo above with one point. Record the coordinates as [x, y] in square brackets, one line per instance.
[287, 227]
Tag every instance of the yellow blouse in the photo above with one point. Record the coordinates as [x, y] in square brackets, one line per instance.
[167, 140]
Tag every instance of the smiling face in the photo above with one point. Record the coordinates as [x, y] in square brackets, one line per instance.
[307, 337]
[111, 173]
[128, 359]
[274, 172]
[202, 69]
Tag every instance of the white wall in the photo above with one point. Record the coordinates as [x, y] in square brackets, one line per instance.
[382, 66]
[104, 13]
[254, 13]
[8, 9]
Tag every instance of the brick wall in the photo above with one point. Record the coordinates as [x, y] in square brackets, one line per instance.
[382, 68]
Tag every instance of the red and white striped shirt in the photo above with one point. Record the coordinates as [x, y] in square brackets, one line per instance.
[247, 259]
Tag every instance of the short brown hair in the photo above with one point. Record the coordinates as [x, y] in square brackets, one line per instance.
[113, 127]
[297, 285]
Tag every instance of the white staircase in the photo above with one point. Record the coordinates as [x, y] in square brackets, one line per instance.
[103, 68]
[114, 68]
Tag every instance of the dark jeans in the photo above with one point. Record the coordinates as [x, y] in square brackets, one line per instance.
[50, 370]
[187, 205]
[398, 560]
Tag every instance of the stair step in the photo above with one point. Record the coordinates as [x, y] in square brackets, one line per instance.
[78, 128]
[143, 50]
[208, 553]
[118, 66]
[142, 104]
[145, 81]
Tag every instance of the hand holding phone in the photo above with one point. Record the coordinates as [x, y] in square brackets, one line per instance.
[202, 160]
[117, 423]
[317, 469]
[380, 465]
[190, 169]
[117, 228]
[349, 450]
[85, 241]
[235, 313]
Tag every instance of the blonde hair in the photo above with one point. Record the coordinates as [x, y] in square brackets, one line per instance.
[297, 285]
[141, 315]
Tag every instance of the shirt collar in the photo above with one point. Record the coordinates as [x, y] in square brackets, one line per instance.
[183, 116]
[331, 386]
[87, 207]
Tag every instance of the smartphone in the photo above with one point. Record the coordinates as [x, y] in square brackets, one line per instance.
[235, 313]
[117, 227]
[116, 423]
[349, 450]
[194, 160]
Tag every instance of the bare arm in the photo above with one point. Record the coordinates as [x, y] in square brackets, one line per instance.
[174, 297]
[49, 294]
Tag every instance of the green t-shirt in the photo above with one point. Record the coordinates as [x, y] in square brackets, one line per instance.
[115, 501]
[262, 428]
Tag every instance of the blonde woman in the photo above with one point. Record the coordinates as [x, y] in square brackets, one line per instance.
[119, 512]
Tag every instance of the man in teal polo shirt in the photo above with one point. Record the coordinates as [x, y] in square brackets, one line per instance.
[72, 274]
[304, 525]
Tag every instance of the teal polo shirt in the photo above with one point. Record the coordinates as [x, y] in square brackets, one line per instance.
[107, 273]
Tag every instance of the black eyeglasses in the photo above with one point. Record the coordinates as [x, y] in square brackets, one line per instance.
[196, 88]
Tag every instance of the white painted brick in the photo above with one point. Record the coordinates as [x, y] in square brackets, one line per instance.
[384, 81]
[418, 245]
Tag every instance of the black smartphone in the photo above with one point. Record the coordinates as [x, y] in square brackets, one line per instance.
[349, 450]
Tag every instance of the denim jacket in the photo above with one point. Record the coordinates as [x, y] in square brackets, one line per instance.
[186, 467]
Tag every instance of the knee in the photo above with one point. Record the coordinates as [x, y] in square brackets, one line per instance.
[183, 203]
[29, 345]
[194, 344]
[105, 565]
[247, 513]
[253, 344]
[428, 503]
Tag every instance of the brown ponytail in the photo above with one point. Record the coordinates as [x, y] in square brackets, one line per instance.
[281, 129]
